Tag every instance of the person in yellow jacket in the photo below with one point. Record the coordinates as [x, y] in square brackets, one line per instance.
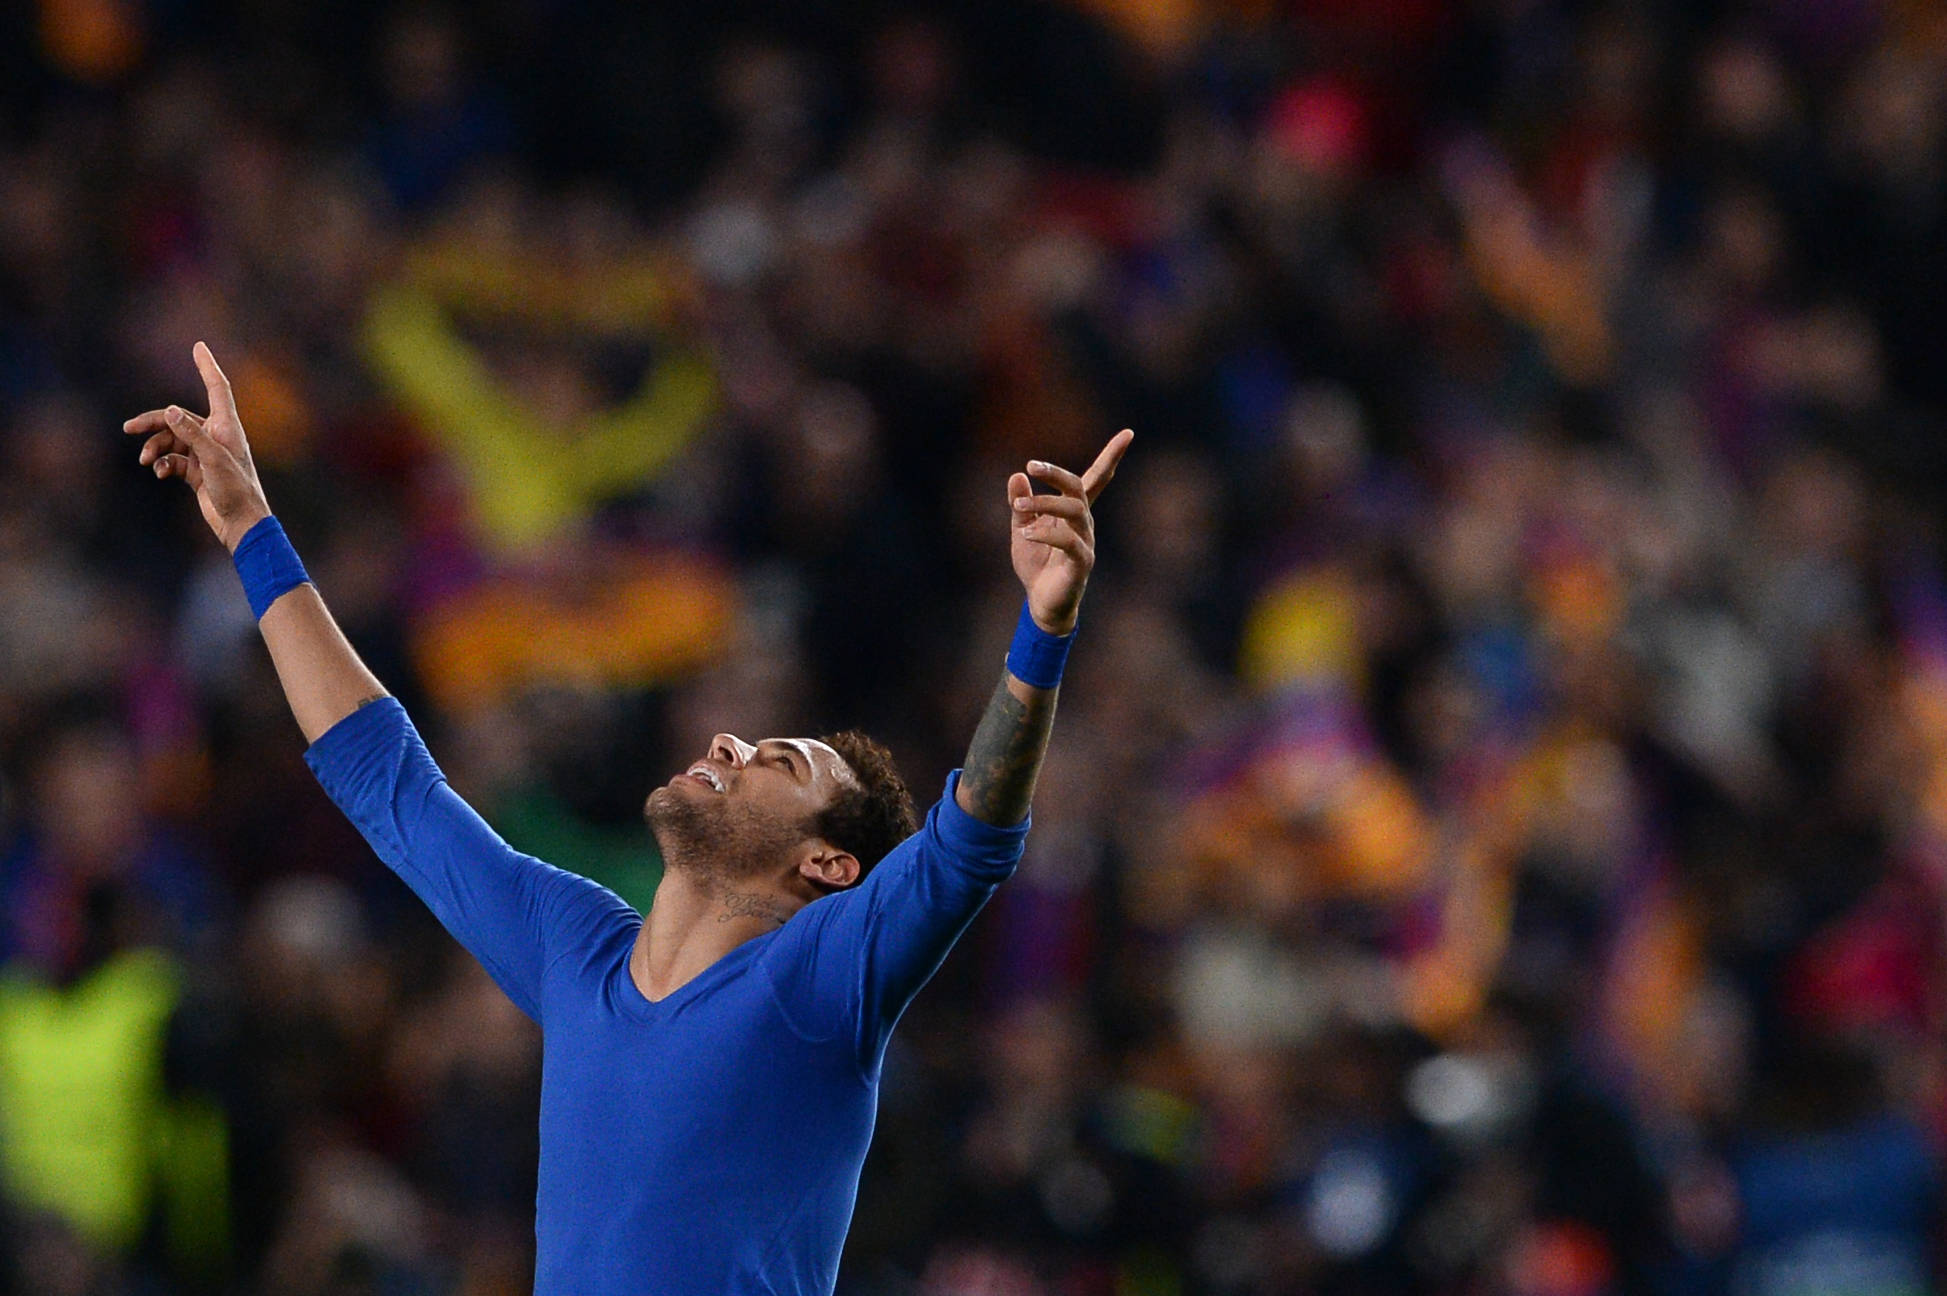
[89, 1130]
[95, 907]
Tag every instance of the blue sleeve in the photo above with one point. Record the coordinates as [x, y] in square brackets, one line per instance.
[511, 911]
[848, 964]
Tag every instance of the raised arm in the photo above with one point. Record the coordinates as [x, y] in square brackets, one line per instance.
[322, 677]
[1052, 542]
[508, 909]
[855, 960]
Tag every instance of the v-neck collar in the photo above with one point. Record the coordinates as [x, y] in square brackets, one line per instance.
[641, 1007]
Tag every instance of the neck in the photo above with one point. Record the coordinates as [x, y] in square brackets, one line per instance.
[694, 921]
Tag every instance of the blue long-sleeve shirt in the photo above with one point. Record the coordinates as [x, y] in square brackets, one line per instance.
[711, 1141]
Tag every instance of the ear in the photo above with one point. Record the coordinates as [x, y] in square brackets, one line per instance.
[829, 868]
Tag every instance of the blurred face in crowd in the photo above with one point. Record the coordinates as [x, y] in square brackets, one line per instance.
[88, 804]
[1745, 93]
[746, 809]
[422, 63]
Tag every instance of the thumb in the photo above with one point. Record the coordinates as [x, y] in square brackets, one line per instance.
[185, 425]
[1017, 488]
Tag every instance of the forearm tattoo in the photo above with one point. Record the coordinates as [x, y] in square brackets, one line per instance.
[1005, 755]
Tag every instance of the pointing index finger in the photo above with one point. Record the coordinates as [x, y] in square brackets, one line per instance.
[222, 400]
[1102, 471]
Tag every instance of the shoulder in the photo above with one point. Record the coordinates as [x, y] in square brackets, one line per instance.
[584, 906]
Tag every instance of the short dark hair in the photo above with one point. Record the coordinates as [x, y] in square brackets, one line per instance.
[874, 812]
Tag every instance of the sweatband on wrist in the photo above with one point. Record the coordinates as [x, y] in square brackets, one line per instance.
[1036, 657]
[268, 565]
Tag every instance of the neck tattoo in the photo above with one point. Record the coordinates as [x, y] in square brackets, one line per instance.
[751, 904]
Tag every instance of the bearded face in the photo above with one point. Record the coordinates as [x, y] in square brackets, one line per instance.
[721, 839]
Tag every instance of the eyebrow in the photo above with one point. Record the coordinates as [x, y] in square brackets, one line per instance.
[799, 750]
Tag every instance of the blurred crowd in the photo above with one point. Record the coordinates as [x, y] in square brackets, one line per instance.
[1495, 840]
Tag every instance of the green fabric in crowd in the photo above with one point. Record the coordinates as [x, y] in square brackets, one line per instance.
[194, 1176]
[626, 861]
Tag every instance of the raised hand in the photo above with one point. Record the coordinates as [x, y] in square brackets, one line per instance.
[1052, 539]
[210, 453]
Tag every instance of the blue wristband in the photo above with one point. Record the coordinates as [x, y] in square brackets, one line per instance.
[268, 565]
[1036, 657]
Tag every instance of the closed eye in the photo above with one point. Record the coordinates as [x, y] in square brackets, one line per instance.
[791, 757]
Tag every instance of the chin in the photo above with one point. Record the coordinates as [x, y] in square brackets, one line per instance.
[660, 799]
[675, 804]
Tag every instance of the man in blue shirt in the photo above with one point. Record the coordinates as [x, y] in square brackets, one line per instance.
[710, 1074]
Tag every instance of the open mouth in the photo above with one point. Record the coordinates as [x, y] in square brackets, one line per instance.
[704, 772]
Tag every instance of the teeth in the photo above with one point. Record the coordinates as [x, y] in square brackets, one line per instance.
[708, 775]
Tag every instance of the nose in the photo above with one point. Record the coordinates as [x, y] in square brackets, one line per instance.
[731, 750]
